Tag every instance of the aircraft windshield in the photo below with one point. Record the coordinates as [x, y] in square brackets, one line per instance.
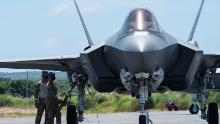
[140, 19]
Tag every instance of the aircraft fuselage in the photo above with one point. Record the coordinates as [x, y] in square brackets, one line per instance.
[140, 52]
[138, 49]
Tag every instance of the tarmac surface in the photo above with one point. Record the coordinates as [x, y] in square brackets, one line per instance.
[165, 117]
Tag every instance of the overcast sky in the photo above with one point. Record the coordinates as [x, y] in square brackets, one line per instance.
[41, 28]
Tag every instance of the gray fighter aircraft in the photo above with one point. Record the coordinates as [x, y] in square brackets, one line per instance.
[140, 59]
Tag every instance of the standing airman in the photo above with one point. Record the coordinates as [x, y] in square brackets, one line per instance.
[40, 96]
[52, 102]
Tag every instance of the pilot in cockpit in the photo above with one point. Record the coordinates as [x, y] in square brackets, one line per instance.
[140, 20]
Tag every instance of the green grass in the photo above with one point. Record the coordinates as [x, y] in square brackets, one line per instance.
[214, 97]
[117, 103]
[11, 101]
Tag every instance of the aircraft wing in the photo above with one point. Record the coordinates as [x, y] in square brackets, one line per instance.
[50, 63]
[210, 60]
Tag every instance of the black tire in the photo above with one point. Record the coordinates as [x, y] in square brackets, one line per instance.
[194, 109]
[142, 119]
[213, 117]
[71, 115]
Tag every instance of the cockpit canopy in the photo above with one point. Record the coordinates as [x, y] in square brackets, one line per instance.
[140, 20]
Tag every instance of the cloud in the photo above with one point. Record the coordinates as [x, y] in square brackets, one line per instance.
[86, 6]
[91, 6]
[61, 8]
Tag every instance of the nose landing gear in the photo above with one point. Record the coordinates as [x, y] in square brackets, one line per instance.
[144, 115]
[144, 119]
[141, 85]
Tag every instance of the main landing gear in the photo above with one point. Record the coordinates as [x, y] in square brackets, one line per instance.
[194, 109]
[78, 80]
[211, 115]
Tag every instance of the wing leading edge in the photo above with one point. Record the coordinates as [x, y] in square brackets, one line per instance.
[211, 60]
[50, 63]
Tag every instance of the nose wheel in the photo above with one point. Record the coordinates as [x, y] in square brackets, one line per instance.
[144, 115]
[144, 119]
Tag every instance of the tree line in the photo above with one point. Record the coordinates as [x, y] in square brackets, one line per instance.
[18, 88]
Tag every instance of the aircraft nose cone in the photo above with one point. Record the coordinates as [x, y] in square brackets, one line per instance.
[141, 42]
[144, 44]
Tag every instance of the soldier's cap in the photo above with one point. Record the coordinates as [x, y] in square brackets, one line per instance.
[52, 75]
[44, 74]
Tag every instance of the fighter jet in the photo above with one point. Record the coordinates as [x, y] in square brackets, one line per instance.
[140, 59]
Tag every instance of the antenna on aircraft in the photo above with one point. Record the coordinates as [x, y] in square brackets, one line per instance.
[84, 25]
[196, 22]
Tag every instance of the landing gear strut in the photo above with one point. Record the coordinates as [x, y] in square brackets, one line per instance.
[141, 85]
[194, 108]
[81, 94]
[144, 115]
[211, 115]
[78, 80]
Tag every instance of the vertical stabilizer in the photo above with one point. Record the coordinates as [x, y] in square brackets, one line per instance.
[83, 24]
[196, 22]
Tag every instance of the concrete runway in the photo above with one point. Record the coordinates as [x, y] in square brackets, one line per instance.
[179, 117]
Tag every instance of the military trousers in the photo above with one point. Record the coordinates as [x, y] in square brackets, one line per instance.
[52, 109]
[41, 107]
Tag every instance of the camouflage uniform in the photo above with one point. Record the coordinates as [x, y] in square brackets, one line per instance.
[40, 100]
[52, 103]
